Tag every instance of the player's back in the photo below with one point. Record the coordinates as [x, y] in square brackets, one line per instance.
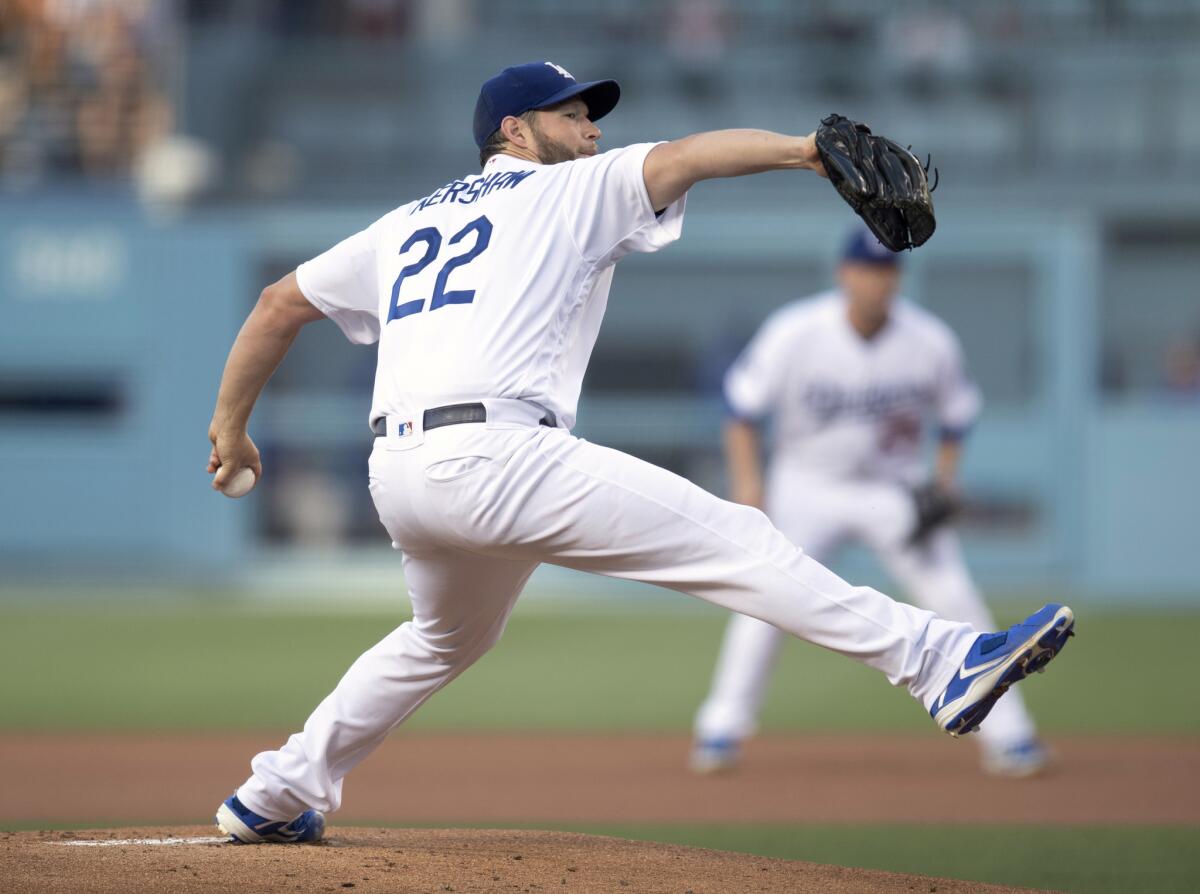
[495, 284]
[468, 293]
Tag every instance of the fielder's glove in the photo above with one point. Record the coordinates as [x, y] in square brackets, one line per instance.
[935, 506]
[881, 180]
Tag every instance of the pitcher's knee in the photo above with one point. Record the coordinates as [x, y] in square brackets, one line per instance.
[457, 647]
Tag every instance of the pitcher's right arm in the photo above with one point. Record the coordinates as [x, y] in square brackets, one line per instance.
[257, 351]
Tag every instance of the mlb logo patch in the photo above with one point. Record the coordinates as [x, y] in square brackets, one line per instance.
[404, 429]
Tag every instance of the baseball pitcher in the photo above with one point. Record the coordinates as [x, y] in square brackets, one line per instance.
[485, 297]
[851, 379]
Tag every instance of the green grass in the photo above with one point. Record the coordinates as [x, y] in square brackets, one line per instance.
[218, 665]
[1104, 860]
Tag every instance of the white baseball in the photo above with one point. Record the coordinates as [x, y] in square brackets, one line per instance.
[240, 484]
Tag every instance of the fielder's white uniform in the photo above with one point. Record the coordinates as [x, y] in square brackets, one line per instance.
[492, 289]
[848, 416]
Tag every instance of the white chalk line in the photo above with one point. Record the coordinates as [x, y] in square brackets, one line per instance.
[150, 842]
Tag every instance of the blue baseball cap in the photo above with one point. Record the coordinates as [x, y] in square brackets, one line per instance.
[536, 85]
[863, 248]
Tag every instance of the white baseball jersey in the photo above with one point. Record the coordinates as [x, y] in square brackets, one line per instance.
[845, 406]
[493, 286]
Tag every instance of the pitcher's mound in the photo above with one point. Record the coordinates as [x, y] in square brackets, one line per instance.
[191, 859]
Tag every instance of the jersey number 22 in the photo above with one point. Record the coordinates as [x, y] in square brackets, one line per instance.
[480, 226]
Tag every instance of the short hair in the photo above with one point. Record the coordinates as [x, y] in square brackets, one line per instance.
[496, 142]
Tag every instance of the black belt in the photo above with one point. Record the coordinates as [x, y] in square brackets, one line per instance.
[457, 414]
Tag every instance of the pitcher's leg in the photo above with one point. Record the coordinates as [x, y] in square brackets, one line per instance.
[936, 577]
[748, 653]
[600, 510]
[460, 605]
[750, 647]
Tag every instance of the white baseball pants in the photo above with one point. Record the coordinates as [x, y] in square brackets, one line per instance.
[824, 514]
[476, 507]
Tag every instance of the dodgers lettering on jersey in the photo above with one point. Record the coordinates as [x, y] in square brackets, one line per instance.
[830, 400]
[494, 285]
[846, 406]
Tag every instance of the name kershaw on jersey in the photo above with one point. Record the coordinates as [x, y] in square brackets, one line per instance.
[464, 192]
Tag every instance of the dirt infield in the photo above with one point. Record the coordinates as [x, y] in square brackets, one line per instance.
[61, 779]
[423, 860]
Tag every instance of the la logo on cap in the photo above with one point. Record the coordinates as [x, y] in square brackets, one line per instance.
[562, 71]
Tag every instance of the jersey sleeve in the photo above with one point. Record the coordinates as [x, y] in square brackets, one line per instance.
[341, 284]
[754, 381]
[607, 208]
[958, 398]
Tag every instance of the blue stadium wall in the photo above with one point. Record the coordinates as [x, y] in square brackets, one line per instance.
[116, 327]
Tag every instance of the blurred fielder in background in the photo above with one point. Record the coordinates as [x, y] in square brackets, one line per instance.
[850, 378]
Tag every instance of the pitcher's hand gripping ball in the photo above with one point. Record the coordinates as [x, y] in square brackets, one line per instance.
[240, 484]
[882, 181]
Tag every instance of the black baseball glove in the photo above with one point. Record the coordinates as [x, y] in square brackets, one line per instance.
[881, 180]
[935, 506]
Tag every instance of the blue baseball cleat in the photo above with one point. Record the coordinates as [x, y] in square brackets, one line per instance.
[716, 755]
[243, 826]
[995, 662]
[1016, 760]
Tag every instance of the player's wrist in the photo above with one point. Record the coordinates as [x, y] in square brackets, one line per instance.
[809, 157]
[226, 428]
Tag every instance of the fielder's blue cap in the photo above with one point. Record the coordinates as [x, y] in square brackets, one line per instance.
[537, 85]
[863, 248]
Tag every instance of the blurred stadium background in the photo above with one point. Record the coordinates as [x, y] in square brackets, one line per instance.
[162, 160]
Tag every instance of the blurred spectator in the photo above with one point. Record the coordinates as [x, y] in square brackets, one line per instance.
[379, 18]
[1181, 369]
[928, 49]
[79, 87]
[359, 19]
[444, 22]
[697, 36]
